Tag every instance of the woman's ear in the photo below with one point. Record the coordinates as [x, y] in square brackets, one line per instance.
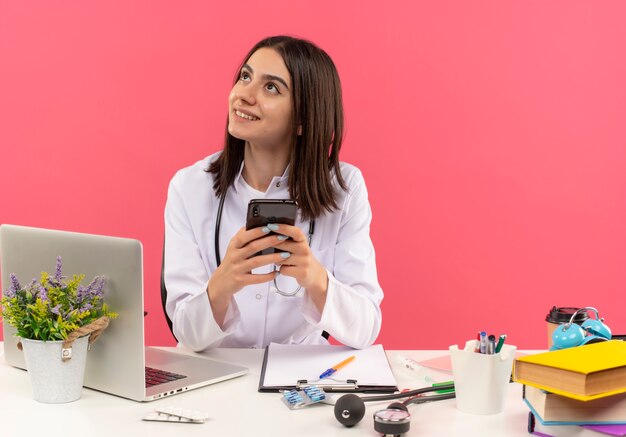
[299, 130]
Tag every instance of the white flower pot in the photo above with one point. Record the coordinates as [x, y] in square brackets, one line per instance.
[55, 381]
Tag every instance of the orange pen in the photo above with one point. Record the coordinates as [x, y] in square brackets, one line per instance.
[336, 367]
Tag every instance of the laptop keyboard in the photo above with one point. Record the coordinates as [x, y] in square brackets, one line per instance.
[156, 377]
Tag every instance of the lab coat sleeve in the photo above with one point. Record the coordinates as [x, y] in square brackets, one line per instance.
[186, 278]
[351, 313]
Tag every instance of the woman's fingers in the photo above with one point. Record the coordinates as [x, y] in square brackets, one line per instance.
[262, 260]
[260, 244]
[294, 232]
[244, 237]
[259, 278]
[242, 258]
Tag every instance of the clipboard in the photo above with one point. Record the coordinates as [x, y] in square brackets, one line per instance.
[292, 366]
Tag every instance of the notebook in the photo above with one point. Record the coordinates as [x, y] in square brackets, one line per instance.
[289, 366]
[553, 409]
[118, 362]
[584, 372]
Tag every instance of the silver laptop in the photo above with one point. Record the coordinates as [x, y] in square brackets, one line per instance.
[118, 362]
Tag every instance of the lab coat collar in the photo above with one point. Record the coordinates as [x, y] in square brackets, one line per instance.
[277, 181]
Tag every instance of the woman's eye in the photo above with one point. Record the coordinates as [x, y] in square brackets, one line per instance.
[272, 88]
[244, 75]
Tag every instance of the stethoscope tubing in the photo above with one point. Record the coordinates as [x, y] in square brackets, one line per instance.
[411, 393]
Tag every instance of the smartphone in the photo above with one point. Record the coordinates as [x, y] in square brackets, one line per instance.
[262, 212]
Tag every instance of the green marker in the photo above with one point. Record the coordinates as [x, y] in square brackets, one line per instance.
[500, 343]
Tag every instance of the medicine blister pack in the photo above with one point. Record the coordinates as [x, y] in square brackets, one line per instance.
[295, 399]
[176, 414]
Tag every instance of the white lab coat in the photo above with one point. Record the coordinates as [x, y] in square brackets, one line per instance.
[257, 315]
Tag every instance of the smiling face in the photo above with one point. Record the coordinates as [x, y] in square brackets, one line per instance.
[260, 103]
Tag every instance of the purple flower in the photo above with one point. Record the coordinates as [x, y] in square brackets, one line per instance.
[81, 293]
[99, 288]
[85, 308]
[43, 293]
[56, 310]
[14, 287]
[95, 287]
[57, 272]
[91, 286]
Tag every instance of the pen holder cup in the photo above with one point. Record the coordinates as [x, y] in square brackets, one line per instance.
[481, 381]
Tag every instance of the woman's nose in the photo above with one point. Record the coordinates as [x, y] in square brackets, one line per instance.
[246, 94]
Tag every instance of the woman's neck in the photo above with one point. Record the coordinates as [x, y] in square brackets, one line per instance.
[261, 165]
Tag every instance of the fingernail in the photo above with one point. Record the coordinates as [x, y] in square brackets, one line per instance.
[273, 226]
[282, 237]
[285, 255]
[265, 230]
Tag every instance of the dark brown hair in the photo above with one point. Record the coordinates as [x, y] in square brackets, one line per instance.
[318, 109]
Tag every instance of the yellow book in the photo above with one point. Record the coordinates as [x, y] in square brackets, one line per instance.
[584, 372]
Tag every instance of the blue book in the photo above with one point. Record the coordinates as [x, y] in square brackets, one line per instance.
[540, 430]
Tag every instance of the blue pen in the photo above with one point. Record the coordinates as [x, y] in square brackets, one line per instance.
[483, 342]
[336, 367]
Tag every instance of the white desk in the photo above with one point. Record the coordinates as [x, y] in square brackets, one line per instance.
[237, 409]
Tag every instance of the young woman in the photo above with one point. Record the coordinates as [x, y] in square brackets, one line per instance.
[285, 127]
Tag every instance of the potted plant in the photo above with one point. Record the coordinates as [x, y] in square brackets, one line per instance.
[56, 318]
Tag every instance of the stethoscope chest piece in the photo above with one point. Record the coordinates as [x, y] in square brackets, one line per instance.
[392, 421]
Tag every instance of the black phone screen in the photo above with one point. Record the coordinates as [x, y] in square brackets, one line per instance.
[262, 212]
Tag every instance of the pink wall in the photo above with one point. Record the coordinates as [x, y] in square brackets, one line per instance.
[491, 134]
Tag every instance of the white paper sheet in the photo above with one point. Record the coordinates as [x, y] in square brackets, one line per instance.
[287, 364]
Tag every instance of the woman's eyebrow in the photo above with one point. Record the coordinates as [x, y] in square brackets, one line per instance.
[267, 76]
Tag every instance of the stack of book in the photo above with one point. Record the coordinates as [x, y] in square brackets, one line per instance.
[576, 392]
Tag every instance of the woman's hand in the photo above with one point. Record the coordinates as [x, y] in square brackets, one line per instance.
[302, 265]
[235, 271]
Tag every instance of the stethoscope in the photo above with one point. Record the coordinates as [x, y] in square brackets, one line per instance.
[218, 258]
[394, 420]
